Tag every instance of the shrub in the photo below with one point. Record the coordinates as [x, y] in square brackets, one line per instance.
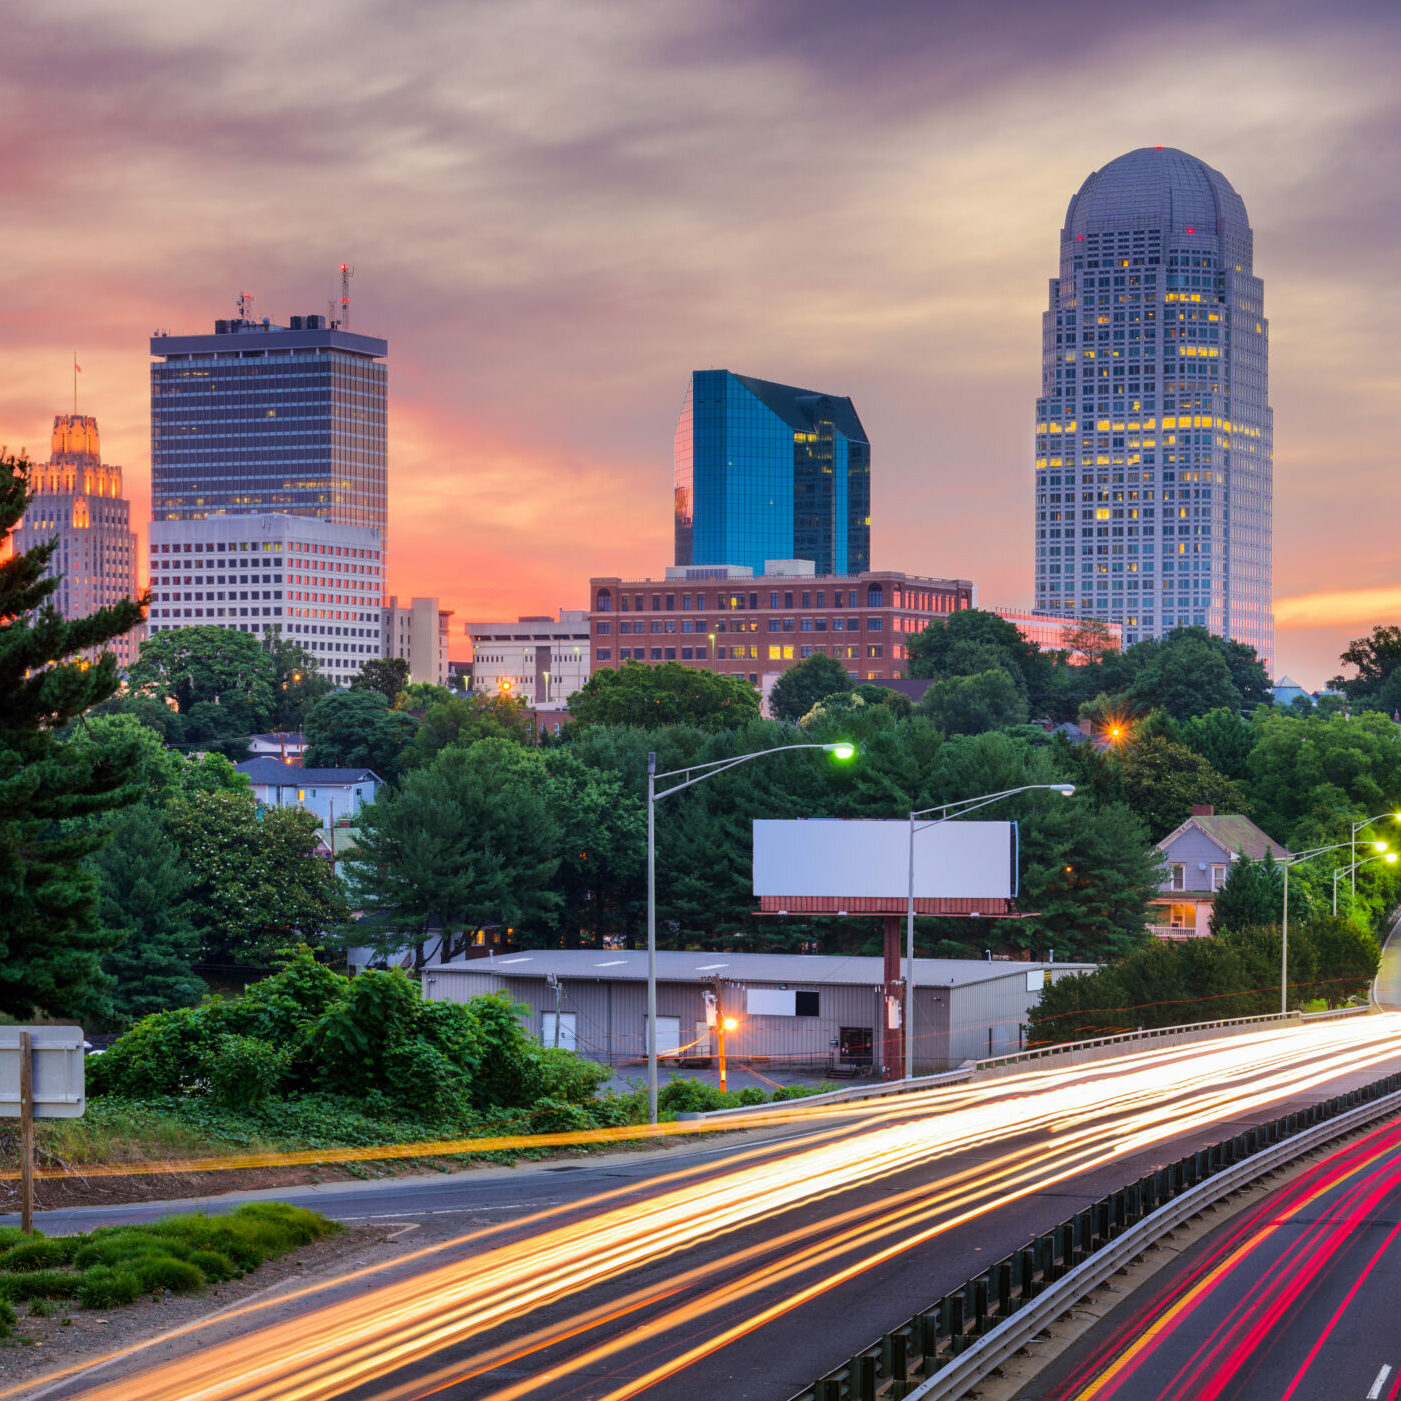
[166, 1272]
[242, 1071]
[689, 1097]
[106, 1286]
[214, 1265]
[39, 1284]
[44, 1252]
[12, 1235]
[751, 1094]
[558, 1116]
[561, 1075]
[7, 1320]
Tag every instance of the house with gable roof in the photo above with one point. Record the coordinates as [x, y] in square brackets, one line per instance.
[1198, 856]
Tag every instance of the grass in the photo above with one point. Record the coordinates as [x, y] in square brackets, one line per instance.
[116, 1265]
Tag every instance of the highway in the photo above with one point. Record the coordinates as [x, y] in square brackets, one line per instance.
[742, 1269]
[1293, 1300]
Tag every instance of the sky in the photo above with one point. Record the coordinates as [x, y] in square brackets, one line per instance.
[556, 209]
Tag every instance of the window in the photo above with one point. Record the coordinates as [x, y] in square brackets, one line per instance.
[875, 596]
[1178, 876]
[1218, 875]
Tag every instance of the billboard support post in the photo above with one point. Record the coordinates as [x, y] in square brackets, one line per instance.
[26, 1132]
[891, 1034]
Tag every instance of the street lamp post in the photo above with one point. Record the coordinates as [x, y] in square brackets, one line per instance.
[1356, 828]
[690, 776]
[964, 806]
[1389, 857]
[1284, 913]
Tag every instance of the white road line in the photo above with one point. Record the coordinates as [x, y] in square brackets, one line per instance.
[1380, 1382]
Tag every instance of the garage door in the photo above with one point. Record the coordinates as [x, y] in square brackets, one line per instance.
[668, 1035]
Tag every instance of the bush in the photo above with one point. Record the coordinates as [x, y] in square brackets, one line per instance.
[105, 1287]
[12, 1235]
[689, 1097]
[242, 1071]
[37, 1254]
[7, 1320]
[214, 1265]
[166, 1272]
[39, 1284]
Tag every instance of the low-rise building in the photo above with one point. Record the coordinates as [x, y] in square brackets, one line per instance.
[723, 618]
[1053, 634]
[1198, 857]
[314, 581]
[810, 1012]
[286, 745]
[418, 634]
[540, 660]
[334, 795]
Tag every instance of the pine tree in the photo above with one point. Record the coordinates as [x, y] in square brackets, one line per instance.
[50, 940]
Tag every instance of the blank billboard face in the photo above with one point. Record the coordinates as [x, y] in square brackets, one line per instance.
[870, 860]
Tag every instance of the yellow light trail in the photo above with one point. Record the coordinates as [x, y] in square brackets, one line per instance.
[1084, 1117]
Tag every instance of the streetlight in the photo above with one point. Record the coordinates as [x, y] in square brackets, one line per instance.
[1356, 828]
[1284, 914]
[842, 749]
[964, 806]
[1389, 857]
[724, 1024]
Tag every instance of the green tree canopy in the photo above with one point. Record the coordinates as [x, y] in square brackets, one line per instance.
[1222, 738]
[802, 686]
[1252, 893]
[213, 667]
[51, 790]
[470, 840]
[1163, 781]
[1375, 660]
[969, 705]
[357, 729]
[386, 675]
[669, 694]
[298, 682]
[421, 696]
[972, 641]
[1186, 677]
[462, 720]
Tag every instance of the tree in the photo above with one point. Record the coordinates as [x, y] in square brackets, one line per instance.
[1163, 781]
[1375, 658]
[211, 666]
[968, 705]
[1252, 893]
[1222, 738]
[260, 880]
[802, 686]
[356, 730]
[1188, 677]
[669, 694]
[936, 652]
[298, 683]
[51, 790]
[144, 885]
[470, 840]
[1090, 639]
[462, 720]
[419, 696]
[387, 675]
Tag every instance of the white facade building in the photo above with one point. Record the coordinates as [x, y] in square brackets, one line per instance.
[316, 582]
[332, 795]
[541, 661]
[418, 634]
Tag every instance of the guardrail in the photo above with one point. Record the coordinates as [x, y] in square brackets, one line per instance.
[939, 1353]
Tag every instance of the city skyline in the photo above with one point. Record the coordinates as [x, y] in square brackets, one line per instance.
[553, 235]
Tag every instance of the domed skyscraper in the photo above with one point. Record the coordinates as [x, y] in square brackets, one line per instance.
[1154, 456]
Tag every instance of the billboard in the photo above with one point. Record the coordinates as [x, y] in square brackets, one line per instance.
[869, 860]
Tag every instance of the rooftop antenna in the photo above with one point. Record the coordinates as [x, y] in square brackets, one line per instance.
[245, 305]
[346, 274]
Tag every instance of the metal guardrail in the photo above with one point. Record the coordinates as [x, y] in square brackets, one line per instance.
[938, 1354]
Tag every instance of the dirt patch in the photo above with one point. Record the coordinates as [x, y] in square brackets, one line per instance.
[74, 1335]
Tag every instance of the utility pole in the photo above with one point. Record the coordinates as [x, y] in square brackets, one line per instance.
[26, 1131]
[553, 981]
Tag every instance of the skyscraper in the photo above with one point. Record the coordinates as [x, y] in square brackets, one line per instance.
[77, 499]
[1154, 434]
[768, 472]
[261, 418]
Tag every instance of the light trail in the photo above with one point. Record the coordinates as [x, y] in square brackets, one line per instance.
[1082, 1117]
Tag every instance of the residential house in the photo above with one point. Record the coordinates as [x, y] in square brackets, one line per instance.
[1198, 855]
[332, 794]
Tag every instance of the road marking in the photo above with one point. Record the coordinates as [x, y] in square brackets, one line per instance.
[1380, 1382]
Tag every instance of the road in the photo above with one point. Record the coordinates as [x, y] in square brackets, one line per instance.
[1293, 1300]
[744, 1269]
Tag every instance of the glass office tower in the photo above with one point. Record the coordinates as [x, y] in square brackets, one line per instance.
[259, 418]
[1154, 434]
[768, 472]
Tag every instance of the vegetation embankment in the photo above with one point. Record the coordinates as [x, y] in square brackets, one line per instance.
[116, 1265]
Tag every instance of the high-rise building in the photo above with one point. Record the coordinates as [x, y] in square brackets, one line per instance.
[77, 500]
[259, 418]
[541, 661]
[1154, 434]
[765, 471]
[315, 582]
[418, 634]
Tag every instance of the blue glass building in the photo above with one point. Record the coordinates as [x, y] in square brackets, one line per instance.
[259, 418]
[1154, 434]
[766, 471]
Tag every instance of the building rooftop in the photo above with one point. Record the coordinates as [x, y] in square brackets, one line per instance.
[674, 966]
[266, 769]
[801, 408]
[1156, 181]
[1232, 831]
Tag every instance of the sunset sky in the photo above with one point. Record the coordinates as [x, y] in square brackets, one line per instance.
[557, 209]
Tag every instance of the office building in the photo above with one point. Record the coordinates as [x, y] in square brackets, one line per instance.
[418, 633]
[1055, 634]
[76, 499]
[735, 621]
[260, 419]
[766, 471]
[1154, 434]
[541, 661]
[315, 582]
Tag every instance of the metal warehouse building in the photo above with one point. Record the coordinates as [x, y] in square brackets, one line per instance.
[793, 1009]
